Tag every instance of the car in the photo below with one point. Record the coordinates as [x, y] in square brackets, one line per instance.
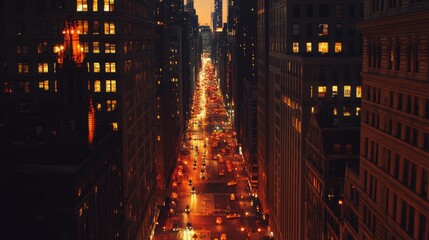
[189, 226]
[187, 209]
[232, 197]
[223, 236]
[175, 227]
[193, 190]
[233, 215]
[222, 172]
[218, 220]
[190, 182]
[232, 183]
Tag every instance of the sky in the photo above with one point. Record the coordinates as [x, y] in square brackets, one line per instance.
[204, 9]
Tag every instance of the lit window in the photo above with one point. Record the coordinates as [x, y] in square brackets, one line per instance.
[296, 47]
[98, 106]
[95, 28]
[22, 67]
[110, 48]
[311, 91]
[323, 47]
[97, 86]
[110, 85]
[42, 67]
[358, 91]
[81, 5]
[346, 111]
[335, 111]
[83, 27]
[96, 67]
[334, 91]
[85, 47]
[338, 47]
[109, 5]
[46, 85]
[321, 90]
[110, 67]
[357, 111]
[109, 28]
[111, 105]
[308, 46]
[312, 109]
[115, 126]
[96, 47]
[41, 84]
[347, 90]
[94, 5]
[323, 29]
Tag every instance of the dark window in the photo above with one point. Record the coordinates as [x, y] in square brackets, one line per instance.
[422, 227]
[352, 10]
[352, 48]
[398, 56]
[338, 30]
[338, 11]
[323, 10]
[309, 10]
[295, 10]
[309, 29]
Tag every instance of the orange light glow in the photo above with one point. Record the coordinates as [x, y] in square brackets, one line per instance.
[91, 122]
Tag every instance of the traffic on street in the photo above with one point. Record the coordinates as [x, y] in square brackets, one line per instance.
[211, 196]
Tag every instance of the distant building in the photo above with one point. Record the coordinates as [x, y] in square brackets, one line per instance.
[217, 16]
[394, 168]
[307, 54]
[207, 37]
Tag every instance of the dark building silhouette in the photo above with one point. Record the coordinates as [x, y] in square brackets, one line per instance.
[83, 134]
[309, 52]
[395, 115]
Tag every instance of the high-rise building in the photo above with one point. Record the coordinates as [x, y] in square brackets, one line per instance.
[394, 170]
[313, 55]
[217, 16]
[117, 39]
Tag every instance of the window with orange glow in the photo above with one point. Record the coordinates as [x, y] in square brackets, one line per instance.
[94, 5]
[110, 67]
[82, 5]
[296, 47]
[95, 47]
[346, 111]
[98, 106]
[109, 48]
[321, 91]
[22, 67]
[110, 85]
[109, 5]
[97, 86]
[358, 91]
[96, 67]
[111, 105]
[115, 126]
[83, 26]
[323, 47]
[42, 67]
[334, 90]
[357, 111]
[308, 46]
[347, 91]
[85, 47]
[323, 29]
[109, 28]
[338, 47]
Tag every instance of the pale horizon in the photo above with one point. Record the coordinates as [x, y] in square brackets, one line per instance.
[204, 9]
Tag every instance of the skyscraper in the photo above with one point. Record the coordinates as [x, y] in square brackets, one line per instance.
[313, 56]
[394, 170]
[217, 16]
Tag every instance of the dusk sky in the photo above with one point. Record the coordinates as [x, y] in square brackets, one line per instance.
[204, 9]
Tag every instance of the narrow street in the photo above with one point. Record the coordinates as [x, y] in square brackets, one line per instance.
[210, 198]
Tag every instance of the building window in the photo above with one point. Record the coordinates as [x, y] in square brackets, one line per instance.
[98, 106]
[338, 47]
[334, 91]
[323, 10]
[44, 85]
[323, 29]
[347, 91]
[42, 67]
[309, 30]
[81, 5]
[42, 47]
[109, 5]
[97, 86]
[346, 111]
[85, 47]
[110, 48]
[357, 111]
[335, 111]
[295, 47]
[21, 49]
[95, 47]
[96, 67]
[323, 47]
[308, 47]
[358, 91]
[338, 11]
[110, 67]
[95, 28]
[111, 105]
[295, 10]
[338, 30]
[309, 10]
[109, 28]
[321, 91]
[94, 5]
[110, 85]
[22, 67]
[83, 27]
[25, 86]
[296, 29]
[115, 126]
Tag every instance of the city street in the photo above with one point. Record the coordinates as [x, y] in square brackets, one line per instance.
[211, 200]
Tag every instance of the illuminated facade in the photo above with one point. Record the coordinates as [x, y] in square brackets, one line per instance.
[395, 117]
[117, 39]
[310, 52]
